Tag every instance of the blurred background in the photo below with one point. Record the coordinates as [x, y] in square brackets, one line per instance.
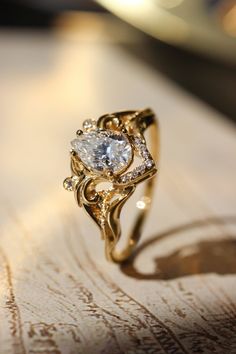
[63, 61]
[191, 42]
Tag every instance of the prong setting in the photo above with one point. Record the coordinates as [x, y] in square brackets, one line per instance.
[124, 130]
[110, 175]
[73, 153]
[79, 132]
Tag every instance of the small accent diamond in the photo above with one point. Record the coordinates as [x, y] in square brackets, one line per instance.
[70, 182]
[141, 168]
[89, 124]
[149, 163]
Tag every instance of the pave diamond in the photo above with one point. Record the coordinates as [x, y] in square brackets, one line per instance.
[103, 150]
[147, 162]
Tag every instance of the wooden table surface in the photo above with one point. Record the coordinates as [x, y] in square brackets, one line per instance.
[58, 293]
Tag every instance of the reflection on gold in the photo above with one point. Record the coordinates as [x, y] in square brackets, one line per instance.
[143, 203]
[140, 205]
[229, 21]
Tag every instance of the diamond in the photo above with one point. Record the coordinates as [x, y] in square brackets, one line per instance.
[149, 163]
[89, 124]
[123, 178]
[103, 150]
[137, 140]
[70, 183]
[141, 168]
[145, 153]
[135, 172]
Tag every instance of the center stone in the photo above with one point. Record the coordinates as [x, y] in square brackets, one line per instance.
[103, 150]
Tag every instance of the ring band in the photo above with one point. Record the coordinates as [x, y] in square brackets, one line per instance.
[105, 151]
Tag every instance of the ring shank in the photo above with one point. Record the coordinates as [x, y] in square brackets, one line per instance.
[143, 120]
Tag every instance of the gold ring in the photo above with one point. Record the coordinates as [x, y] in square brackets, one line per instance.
[113, 150]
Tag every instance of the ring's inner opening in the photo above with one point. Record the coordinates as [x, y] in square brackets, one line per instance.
[103, 186]
[135, 210]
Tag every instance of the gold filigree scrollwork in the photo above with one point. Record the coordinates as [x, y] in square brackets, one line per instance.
[104, 206]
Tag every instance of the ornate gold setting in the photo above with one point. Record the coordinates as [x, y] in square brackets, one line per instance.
[104, 206]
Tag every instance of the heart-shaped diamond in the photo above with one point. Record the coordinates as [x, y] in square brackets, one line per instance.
[104, 150]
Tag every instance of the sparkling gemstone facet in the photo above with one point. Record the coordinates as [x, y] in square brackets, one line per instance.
[89, 124]
[70, 183]
[103, 150]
